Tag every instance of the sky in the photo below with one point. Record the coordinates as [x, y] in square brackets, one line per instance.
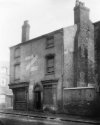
[44, 16]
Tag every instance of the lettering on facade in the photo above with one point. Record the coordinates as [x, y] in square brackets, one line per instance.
[32, 63]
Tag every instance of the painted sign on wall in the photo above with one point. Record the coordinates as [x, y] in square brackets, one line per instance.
[32, 62]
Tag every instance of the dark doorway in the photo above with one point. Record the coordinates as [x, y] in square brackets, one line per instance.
[38, 100]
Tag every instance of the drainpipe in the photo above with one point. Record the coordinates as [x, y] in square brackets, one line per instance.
[62, 73]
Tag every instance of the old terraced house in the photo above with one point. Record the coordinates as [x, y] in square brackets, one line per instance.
[57, 71]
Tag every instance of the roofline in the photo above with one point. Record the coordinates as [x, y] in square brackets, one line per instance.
[96, 22]
[6, 94]
[39, 37]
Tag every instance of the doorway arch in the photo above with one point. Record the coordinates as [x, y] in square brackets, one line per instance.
[38, 96]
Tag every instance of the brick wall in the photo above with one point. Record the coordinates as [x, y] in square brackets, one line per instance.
[81, 101]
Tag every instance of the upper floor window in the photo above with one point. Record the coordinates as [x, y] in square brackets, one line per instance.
[50, 64]
[17, 71]
[17, 52]
[50, 42]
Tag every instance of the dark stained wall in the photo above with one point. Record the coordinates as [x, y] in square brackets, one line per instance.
[97, 53]
[80, 101]
[84, 47]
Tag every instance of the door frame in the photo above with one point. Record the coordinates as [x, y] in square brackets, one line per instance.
[38, 88]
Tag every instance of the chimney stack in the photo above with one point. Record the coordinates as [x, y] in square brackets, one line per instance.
[81, 13]
[25, 31]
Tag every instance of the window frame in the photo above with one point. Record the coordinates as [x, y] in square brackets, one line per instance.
[48, 43]
[50, 56]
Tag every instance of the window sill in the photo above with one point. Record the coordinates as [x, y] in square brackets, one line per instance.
[20, 101]
[16, 57]
[50, 73]
[48, 47]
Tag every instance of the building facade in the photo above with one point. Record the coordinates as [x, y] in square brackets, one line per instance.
[6, 97]
[55, 71]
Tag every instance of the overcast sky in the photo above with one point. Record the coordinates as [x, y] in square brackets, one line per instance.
[44, 16]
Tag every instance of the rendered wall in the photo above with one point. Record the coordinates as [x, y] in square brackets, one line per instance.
[33, 64]
[69, 39]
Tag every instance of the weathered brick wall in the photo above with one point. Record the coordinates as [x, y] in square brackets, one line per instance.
[84, 55]
[80, 101]
[84, 47]
[69, 36]
[97, 63]
[91, 57]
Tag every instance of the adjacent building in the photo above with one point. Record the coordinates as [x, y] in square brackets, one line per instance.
[6, 96]
[56, 71]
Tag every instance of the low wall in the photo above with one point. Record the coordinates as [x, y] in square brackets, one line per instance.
[81, 101]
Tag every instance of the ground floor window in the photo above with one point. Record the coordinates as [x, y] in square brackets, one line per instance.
[20, 98]
[20, 95]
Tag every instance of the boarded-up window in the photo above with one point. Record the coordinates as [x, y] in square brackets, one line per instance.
[20, 95]
[50, 64]
[20, 101]
[17, 71]
[48, 96]
[50, 42]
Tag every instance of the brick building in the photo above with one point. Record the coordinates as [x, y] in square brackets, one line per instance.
[56, 71]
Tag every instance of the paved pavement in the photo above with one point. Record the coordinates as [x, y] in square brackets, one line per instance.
[23, 120]
[46, 118]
